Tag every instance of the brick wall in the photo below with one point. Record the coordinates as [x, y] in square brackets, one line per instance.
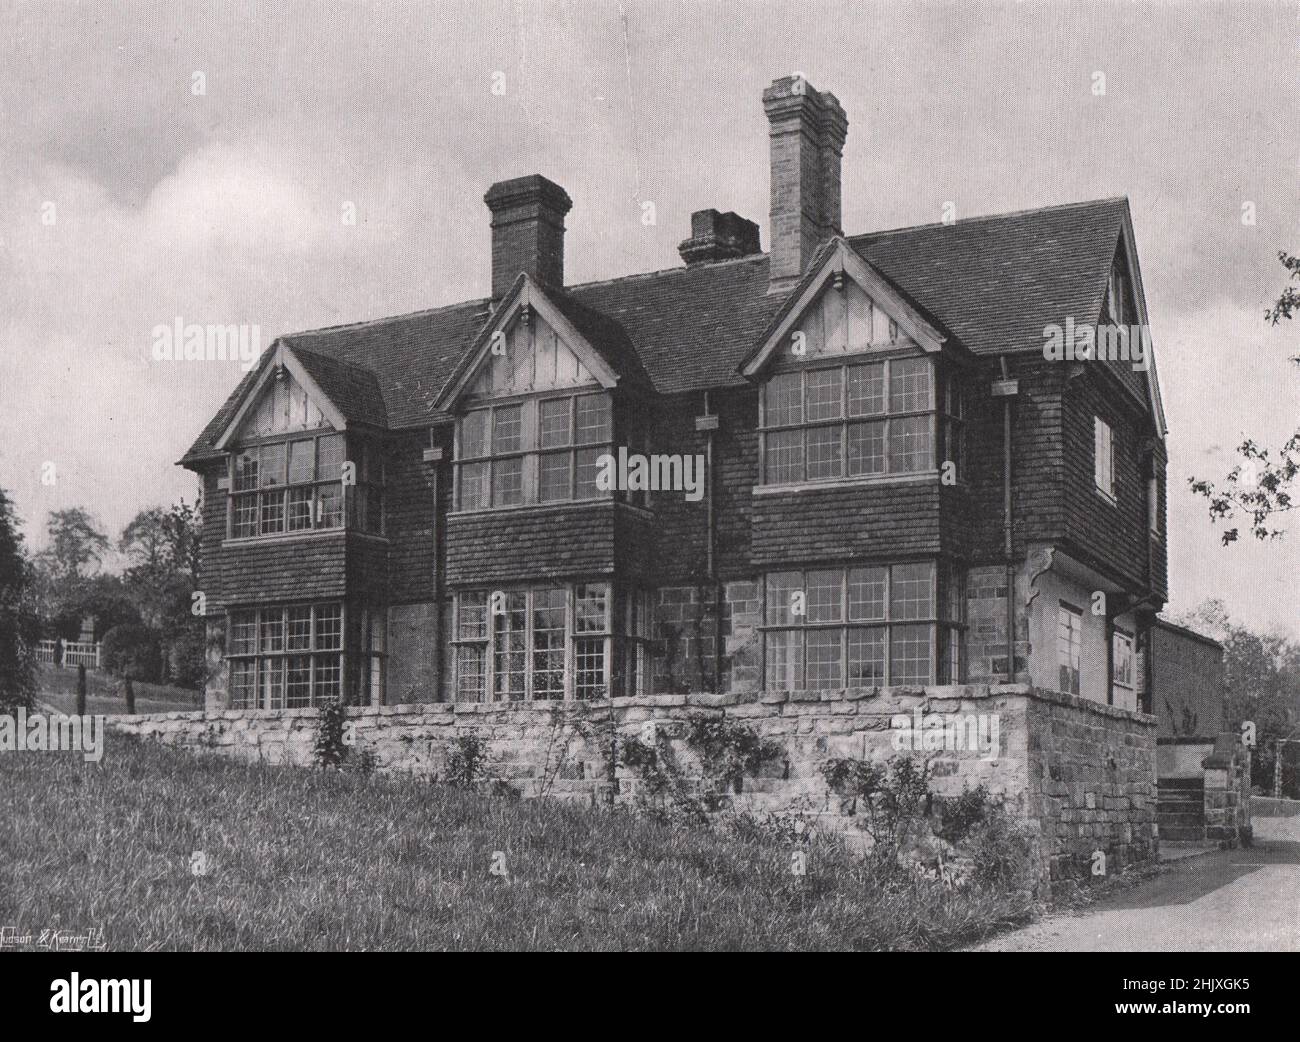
[1082, 774]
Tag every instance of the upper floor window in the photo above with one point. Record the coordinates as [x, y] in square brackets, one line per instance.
[877, 625]
[850, 420]
[298, 485]
[540, 450]
[1103, 460]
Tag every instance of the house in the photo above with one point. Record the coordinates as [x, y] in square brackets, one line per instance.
[853, 460]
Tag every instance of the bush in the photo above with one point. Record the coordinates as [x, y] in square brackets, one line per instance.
[187, 660]
[134, 648]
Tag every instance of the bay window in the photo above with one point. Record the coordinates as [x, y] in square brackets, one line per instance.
[855, 419]
[874, 625]
[543, 450]
[285, 657]
[550, 642]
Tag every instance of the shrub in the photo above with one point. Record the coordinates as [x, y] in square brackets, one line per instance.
[132, 648]
[467, 762]
[186, 658]
[330, 748]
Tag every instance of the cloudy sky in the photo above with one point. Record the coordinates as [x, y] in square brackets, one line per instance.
[193, 160]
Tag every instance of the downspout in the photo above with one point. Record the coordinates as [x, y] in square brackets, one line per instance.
[711, 559]
[1007, 527]
[433, 456]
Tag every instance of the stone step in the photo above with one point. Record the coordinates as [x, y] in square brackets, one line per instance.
[1197, 820]
[1177, 833]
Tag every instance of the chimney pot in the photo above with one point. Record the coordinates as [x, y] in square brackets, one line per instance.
[527, 231]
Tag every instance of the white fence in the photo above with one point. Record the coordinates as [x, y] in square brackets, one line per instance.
[75, 653]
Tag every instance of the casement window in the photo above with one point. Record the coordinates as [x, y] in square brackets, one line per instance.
[1069, 646]
[952, 426]
[876, 625]
[285, 657]
[1153, 506]
[542, 450]
[550, 642]
[1122, 663]
[850, 420]
[1103, 458]
[296, 485]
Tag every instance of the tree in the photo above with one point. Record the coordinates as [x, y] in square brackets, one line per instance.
[18, 624]
[1261, 486]
[77, 546]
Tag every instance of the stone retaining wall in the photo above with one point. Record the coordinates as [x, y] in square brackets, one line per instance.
[1082, 774]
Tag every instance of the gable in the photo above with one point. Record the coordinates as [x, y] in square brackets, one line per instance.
[529, 355]
[282, 406]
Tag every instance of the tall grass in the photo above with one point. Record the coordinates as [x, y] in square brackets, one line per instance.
[312, 859]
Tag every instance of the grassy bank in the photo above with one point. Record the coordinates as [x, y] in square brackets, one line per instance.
[308, 859]
[57, 687]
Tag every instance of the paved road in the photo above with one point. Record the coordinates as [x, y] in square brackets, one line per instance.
[1225, 901]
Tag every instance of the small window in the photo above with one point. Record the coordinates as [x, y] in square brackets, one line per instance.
[1122, 661]
[1069, 646]
[1103, 444]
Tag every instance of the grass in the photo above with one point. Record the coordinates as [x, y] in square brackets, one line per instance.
[104, 695]
[311, 859]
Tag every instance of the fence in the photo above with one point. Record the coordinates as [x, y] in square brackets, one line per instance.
[75, 653]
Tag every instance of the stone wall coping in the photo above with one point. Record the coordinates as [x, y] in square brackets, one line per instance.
[699, 700]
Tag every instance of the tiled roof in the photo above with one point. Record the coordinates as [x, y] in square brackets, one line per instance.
[353, 389]
[993, 283]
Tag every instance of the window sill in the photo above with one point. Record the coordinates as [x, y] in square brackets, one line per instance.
[1109, 497]
[920, 477]
[566, 504]
[292, 537]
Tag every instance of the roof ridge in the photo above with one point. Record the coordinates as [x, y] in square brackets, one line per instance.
[992, 216]
[370, 322]
[748, 259]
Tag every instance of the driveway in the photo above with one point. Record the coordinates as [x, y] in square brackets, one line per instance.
[1224, 901]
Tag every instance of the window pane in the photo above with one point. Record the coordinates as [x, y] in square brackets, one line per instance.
[909, 384]
[297, 689]
[329, 506]
[784, 660]
[1069, 633]
[242, 690]
[824, 660]
[588, 464]
[301, 455]
[507, 429]
[784, 402]
[271, 683]
[245, 519]
[911, 592]
[593, 419]
[866, 448]
[474, 486]
[824, 597]
[329, 677]
[470, 659]
[329, 627]
[553, 476]
[866, 653]
[471, 615]
[271, 468]
[548, 643]
[299, 638]
[589, 660]
[589, 608]
[824, 453]
[272, 512]
[272, 638]
[779, 597]
[866, 594]
[243, 633]
[473, 434]
[507, 482]
[300, 502]
[867, 389]
[553, 420]
[510, 648]
[784, 456]
[909, 654]
[824, 389]
[245, 470]
[329, 457]
[911, 445]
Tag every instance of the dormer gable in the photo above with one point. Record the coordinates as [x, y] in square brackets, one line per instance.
[284, 398]
[843, 306]
[529, 345]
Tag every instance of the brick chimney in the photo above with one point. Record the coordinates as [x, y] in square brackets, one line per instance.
[527, 231]
[718, 236]
[808, 128]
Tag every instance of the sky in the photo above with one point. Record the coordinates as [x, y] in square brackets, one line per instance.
[182, 160]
